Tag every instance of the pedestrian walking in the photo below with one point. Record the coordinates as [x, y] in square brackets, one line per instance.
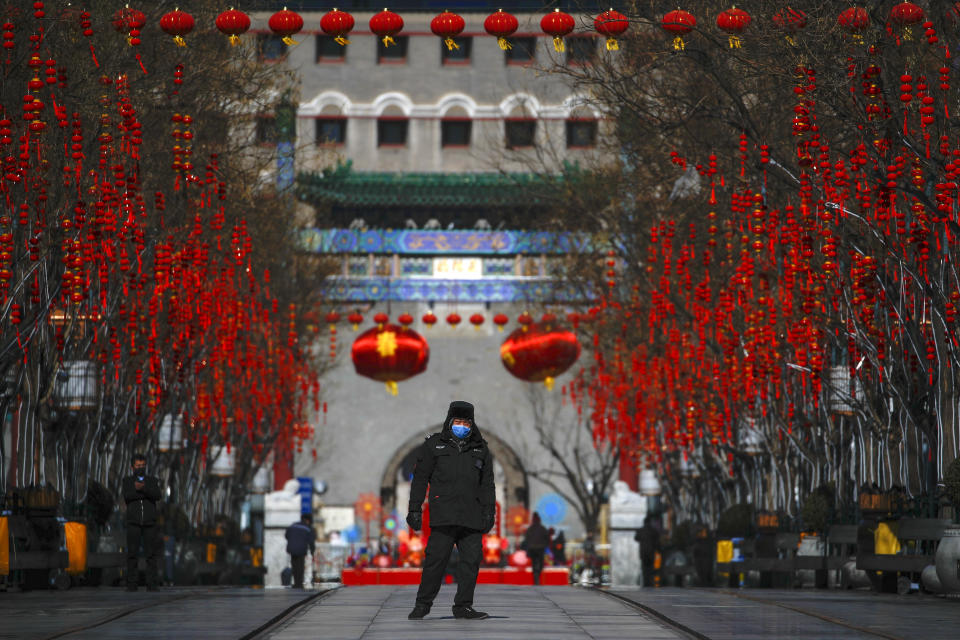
[458, 467]
[559, 549]
[141, 493]
[649, 538]
[300, 540]
[535, 543]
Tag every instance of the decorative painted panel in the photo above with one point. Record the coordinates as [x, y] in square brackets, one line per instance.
[414, 242]
[426, 289]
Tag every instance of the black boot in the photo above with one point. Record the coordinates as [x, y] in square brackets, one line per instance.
[468, 613]
[419, 611]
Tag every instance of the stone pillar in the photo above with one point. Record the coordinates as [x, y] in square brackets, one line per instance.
[627, 511]
[280, 510]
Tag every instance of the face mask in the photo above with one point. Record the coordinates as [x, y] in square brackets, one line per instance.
[140, 473]
[461, 430]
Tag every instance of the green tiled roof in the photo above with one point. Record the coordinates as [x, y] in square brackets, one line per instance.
[346, 187]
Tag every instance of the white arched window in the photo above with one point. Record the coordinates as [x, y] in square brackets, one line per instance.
[393, 125]
[456, 127]
[331, 126]
[581, 129]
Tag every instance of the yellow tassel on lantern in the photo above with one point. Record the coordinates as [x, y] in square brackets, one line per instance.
[392, 387]
[857, 38]
[451, 45]
[507, 358]
[612, 44]
[387, 41]
[356, 326]
[234, 40]
[790, 41]
[290, 42]
[500, 328]
[504, 43]
[341, 40]
[548, 383]
[180, 41]
[558, 44]
[734, 42]
[678, 44]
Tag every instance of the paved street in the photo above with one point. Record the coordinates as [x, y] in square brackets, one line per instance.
[517, 613]
[554, 613]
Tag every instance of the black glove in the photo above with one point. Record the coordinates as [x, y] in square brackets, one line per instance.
[489, 518]
[415, 520]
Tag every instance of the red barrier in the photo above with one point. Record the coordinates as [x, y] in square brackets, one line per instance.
[551, 576]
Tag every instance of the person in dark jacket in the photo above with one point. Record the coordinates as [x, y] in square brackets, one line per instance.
[141, 493]
[300, 539]
[649, 538]
[559, 549]
[535, 542]
[458, 467]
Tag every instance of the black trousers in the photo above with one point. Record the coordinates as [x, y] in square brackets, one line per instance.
[148, 536]
[536, 558]
[648, 571]
[435, 560]
[297, 565]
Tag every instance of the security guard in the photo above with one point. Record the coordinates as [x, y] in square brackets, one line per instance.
[457, 466]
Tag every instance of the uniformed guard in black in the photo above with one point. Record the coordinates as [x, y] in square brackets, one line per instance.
[457, 466]
[141, 493]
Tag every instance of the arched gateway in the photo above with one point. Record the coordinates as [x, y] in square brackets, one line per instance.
[509, 474]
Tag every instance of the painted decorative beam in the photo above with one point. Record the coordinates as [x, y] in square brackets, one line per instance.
[381, 289]
[437, 242]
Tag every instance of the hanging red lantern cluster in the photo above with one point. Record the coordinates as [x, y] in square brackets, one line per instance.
[390, 354]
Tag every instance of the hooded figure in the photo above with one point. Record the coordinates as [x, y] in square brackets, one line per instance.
[458, 468]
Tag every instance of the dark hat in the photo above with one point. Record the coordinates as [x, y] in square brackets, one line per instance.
[460, 409]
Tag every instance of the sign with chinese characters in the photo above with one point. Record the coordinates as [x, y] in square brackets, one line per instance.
[467, 268]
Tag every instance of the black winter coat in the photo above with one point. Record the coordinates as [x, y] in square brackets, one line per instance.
[142, 503]
[460, 477]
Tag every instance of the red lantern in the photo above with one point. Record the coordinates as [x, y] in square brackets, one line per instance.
[453, 319]
[557, 24]
[177, 24]
[405, 319]
[355, 319]
[854, 20]
[381, 319]
[525, 320]
[611, 24]
[429, 319]
[332, 319]
[537, 353]
[338, 24]
[790, 21]
[476, 320]
[500, 320]
[286, 23]
[131, 21]
[548, 319]
[678, 22]
[447, 26]
[734, 21]
[233, 23]
[905, 14]
[500, 25]
[390, 354]
[386, 24]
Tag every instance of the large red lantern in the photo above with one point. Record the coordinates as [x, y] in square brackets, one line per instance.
[501, 25]
[611, 24]
[557, 24]
[177, 24]
[733, 21]
[386, 24]
[539, 354]
[905, 14]
[448, 25]
[390, 354]
[233, 23]
[679, 23]
[854, 20]
[286, 23]
[338, 24]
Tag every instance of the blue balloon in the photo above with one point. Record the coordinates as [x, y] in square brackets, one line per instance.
[351, 534]
[552, 509]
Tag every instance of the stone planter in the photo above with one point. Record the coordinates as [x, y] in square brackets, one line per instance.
[948, 560]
